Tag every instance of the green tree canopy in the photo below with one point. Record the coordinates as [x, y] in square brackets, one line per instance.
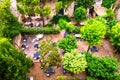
[38, 10]
[103, 68]
[80, 14]
[115, 35]
[13, 63]
[46, 11]
[86, 3]
[110, 14]
[49, 54]
[58, 6]
[66, 3]
[9, 25]
[93, 32]
[74, 62]
[108, 3]
[68, 43]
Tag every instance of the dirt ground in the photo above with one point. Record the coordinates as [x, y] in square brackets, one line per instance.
[105, 49]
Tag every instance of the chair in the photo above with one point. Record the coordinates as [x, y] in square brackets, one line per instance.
[36, 56]
[36, 46]
[94, 49]
[49, 71]
[64, 71]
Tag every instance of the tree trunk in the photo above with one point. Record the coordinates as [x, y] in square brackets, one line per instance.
[42, 18]
[88, 48]
[42, 6]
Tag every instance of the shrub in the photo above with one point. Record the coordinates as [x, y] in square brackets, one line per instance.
[74, 61]
[91, 78]
[104, 68]
[43, 30]
[56, 18]
[114, 35]
[76, 30]
[65, 25]
[68, 43]
[61, 77]
[80, 14]
[111, 23]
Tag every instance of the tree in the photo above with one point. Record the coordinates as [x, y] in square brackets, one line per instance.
[108, 3]
[80, 14]
[103, 68]
[93, 32]
[9, 25]
[49, 54]
[86, 3]
[27, 7]
[46, 11]
[68, 43]
[13, 63]
[74, 62]
[66, 3]
[58, 6]
[115, 35]
[38, 10]
[110, 14]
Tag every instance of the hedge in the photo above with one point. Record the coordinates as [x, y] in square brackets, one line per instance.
[42, 30]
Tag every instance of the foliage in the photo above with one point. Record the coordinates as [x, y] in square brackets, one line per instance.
[69, 27]
[46, 11]
[86, 3]
[61, 77]
[74, 62]
[66, 3]
[68, 43]
[65, 25]
[49, 54]
[110, 14]
[10, 31]
[80, 14]
[56, 18]
[38, 10]
[13, 63]
[62, 24]
[65, 78]
[108, 3]
[43, 30]
[93, 32]
[9, 25]
[74, 78]
[26, 6]
[101, 19]
[91, 78]
[58, 6]
[111, 23]
[115, 35]
[76, 29]
[103, 68]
